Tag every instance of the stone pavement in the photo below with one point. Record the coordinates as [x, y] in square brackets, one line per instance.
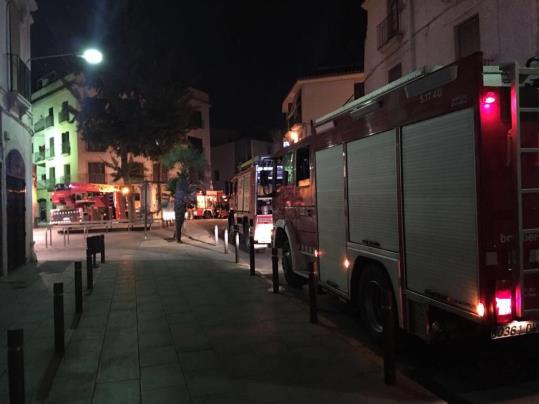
[184, 324]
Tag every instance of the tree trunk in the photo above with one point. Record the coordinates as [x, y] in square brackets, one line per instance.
[124, 160]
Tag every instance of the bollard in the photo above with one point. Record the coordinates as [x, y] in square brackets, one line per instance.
[389, 339]
[237, 245]
[216, 234]
[312, 291]
[50, 235]
[89, 271]
[226, 241]
[64, 234]
[275, 269]
[251, 253]
[46, 238]
[78, 287]
[59, 343]
[15, 366]
[102, 240]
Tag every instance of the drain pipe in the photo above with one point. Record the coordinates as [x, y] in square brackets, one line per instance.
[411, 21]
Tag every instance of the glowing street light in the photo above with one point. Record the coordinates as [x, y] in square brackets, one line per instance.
[92, 56]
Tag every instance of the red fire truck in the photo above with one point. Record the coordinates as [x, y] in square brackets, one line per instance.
[427, 187]
[251, 200]
[85, 202]
[209, 204]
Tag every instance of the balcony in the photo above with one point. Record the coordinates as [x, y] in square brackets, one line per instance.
[50, 184]
[49, 153]
[44, 123]
[19, 79]
[389, 28]
[66, 180]
[66, 148]
[39, 156]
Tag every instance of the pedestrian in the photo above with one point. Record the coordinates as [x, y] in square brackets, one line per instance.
[180, 205]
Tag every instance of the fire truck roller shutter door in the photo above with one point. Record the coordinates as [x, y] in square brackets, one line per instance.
[440, 206]
[331, 218]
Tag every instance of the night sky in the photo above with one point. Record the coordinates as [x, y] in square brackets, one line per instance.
[246, 55]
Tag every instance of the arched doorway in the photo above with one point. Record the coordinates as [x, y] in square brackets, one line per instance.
[16, 210]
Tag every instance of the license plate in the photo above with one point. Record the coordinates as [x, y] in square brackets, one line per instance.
[514, 329]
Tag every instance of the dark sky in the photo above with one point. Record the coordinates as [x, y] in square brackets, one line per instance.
[246, 55]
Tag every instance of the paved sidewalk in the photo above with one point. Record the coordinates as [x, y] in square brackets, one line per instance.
[198, 329]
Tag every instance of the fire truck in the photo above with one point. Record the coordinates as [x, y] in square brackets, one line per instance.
[209, 205]
[79, 202]
[251, 200]
[429, 188]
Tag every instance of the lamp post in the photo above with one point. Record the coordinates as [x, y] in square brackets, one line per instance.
[91, 56]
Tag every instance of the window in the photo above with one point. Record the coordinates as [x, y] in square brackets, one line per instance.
[288, 167]
[196, 120]
[160, 172]
[63, 115]
[359, 90]
[66, 148]
[67, 174]
[216, 175]
[394, 73]
[96, 173]
[51, 147]
[196, 143]
[303, 171]
[52, 174]
[467, 40]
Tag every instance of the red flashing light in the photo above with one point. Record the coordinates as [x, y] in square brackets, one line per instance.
[488, 100]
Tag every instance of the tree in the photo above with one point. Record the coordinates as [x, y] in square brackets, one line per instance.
[189, 162]
[139, 106]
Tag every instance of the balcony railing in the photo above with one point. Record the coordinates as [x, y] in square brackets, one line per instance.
[389, 28]
[44, 123]
[39, 156]
[49, 153]
[50, 183]
[66, 148]
[66, 180]
[19, 79]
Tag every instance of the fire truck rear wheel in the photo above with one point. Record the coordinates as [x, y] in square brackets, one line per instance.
[373, 284]
[292, 279]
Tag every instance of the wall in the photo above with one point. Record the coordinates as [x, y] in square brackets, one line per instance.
[224, 160]
[508, 31]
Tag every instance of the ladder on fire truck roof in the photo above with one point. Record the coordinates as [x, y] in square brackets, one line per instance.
[522, 77]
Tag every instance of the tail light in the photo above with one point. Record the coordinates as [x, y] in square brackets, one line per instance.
[504, 302]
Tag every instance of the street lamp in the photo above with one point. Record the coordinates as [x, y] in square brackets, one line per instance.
[91, 56]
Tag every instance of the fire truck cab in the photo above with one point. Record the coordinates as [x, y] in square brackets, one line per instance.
[429, 188]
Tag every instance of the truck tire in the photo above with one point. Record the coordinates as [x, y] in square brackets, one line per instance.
[372, 286]
[293, 279]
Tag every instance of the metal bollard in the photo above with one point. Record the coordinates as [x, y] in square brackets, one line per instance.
[237, 245]
[46, 238]
[78, 287]
[59, 343]
[89, 271]
[275, 269]
[312, 291]
[251, 253]
[102, 248]
[68, 236]
[216, 234]
[50, 235]
[226, 241]
[389, 339]
[15, 366]
[64, 234]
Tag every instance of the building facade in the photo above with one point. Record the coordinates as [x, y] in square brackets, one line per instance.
[228, 156]
[312, 97]
[61, 156]
[405, 35]
[16, 134]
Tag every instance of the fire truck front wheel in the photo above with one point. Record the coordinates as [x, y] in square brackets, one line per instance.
[372, 288]
[292, 279]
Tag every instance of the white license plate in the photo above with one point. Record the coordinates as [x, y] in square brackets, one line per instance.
[514, 329]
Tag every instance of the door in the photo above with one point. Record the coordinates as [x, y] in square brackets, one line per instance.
[16, 210]
[331, 219]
